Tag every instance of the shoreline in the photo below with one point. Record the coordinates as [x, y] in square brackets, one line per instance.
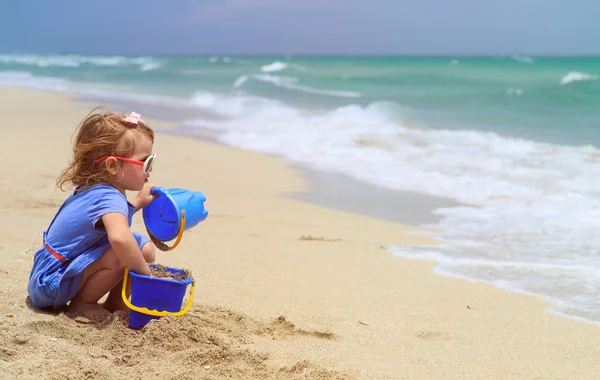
[339, 303]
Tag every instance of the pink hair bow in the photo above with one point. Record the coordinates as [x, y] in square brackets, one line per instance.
[134, 118]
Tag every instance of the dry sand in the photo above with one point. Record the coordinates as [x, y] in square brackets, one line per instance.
[285, 289]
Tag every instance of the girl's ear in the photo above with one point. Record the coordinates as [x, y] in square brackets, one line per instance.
[112, 165]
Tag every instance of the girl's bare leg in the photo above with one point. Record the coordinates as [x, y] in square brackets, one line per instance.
[114, 301]
[98, 279]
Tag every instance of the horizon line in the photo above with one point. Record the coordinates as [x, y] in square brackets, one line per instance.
[324, 55]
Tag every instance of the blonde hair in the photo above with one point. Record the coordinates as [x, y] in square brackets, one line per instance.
[100, 134]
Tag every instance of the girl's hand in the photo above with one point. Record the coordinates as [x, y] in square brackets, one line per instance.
[144, 198]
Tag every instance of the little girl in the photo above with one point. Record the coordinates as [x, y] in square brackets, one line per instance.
[88, 244]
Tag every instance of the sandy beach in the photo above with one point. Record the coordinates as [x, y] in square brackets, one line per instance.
[285, 288]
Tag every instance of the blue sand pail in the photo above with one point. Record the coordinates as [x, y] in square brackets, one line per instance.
[154, 297]
[172, 212]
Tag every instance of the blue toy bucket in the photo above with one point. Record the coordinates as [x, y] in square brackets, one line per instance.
[172, 212]
[154, 297]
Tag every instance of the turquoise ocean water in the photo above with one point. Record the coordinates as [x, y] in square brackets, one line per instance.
[515, 139]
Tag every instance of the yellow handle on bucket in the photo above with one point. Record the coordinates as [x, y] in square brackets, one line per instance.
[154, 313]
[161, 245]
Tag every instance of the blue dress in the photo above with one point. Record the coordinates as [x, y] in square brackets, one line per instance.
[72, 242]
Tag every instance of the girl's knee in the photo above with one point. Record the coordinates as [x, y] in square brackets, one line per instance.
[148, 252]
[110, 260]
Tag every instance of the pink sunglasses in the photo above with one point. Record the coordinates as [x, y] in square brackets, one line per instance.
[146, 164]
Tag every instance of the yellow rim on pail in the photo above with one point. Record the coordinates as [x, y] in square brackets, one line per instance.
[153, 312]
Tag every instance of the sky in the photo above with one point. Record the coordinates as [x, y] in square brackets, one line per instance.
[390, 27]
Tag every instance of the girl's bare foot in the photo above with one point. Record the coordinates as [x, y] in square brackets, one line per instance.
[114, 304]
[94, 312]
[114, 301]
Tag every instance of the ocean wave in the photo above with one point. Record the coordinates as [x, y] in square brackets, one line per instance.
[26, 79]
[240, 81]
[576, 76]
[149, 66]
[231, 107]
[279, 66]
[75, 61]
[275, 66]
[52, 84]
[530, 211]
[290, 83]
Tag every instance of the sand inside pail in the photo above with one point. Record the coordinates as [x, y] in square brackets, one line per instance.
[161, 271]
